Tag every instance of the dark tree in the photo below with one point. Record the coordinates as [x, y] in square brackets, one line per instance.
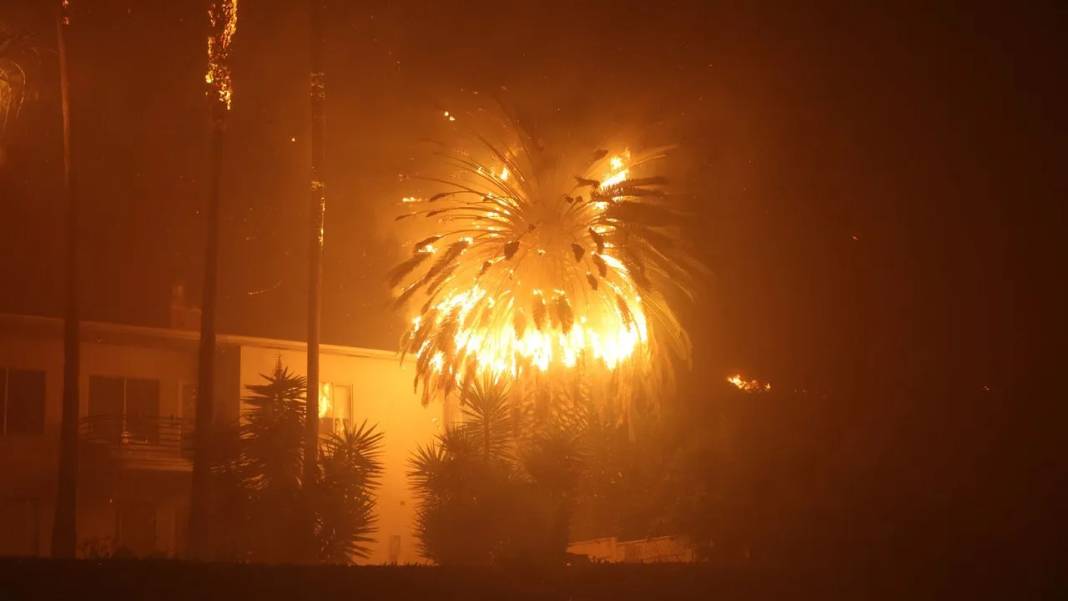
[223, 22]
[317, 211]
[263, 499]
[345, 502]
[271, 467]
[64, 529]
[491, 495]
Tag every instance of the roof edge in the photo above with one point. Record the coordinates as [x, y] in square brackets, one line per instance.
[117, 329]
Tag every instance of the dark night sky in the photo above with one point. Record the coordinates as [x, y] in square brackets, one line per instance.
[855, 172]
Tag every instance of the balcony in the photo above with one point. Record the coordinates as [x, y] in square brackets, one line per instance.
[140, 442]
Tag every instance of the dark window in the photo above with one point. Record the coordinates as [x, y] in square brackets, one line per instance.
[23, 400]
[124, 408]
[105, 407]
[142, 410]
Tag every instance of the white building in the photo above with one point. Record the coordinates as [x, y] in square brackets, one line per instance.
[136, 388]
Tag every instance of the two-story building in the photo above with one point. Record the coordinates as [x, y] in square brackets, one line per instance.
[136, 390]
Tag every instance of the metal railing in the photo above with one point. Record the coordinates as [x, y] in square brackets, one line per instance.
[149, 438]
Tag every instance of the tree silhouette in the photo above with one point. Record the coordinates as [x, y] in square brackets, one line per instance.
[268, 512]
[490, 495]
[223, 23]
[64, 529]
[345, 503]
[317, 211]
[271, 467]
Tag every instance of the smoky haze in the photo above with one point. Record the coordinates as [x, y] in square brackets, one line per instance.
[854, 176]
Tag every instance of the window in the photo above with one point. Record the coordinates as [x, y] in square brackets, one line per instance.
[335, 407]
[122, 409]
[22, 394]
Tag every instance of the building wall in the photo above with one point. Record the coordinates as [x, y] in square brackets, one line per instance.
[171, 367]
[383, 395]
[381, 390]
[29, 463]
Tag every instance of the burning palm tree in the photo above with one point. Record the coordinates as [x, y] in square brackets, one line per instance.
[222, 16]
[535, 267]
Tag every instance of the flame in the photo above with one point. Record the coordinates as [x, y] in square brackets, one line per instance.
[222, 16]
[617, 174]
[518, 283]
[326, 395]
[748, 385]
[601, 336]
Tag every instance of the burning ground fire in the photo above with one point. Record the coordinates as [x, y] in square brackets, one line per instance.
[528, 273]
[748, 385]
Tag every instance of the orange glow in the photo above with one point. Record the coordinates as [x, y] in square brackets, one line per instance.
[222, 15]
[326, 395]
[602, 334]
[519, 283]
[618, 173]
[748, 385]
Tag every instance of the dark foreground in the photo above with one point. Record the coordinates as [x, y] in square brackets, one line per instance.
[163, 579]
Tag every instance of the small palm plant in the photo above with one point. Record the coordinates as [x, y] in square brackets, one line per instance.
[351, 470]
[465, 500]
[272, 431]
[259, 480]
[271, 464]
[487, 410]
[488, 495]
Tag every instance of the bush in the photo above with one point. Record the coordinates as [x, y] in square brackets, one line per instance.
[265, 511]
[488, 496]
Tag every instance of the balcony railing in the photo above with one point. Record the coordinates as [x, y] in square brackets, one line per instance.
[142, 441]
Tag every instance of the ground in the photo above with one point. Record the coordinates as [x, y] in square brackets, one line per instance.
[160, 580]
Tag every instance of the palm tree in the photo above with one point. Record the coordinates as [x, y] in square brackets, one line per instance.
[317, 189]
[271, 435]
[465, 502]
[553, 464]
[491, 494]
[223, 24]
[488, 414]
[271, 465]
[345, 503]
[64, 529]
[260, 478]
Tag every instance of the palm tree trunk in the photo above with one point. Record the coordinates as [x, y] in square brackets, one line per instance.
[64, 529]
[223, 22]
[317, 190]
[199, 503]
